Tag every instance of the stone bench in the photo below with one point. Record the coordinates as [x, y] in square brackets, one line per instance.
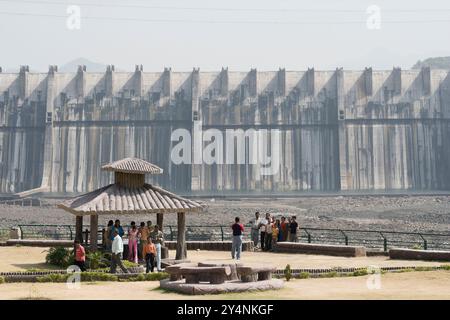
[232, 265]
[322, 249]
[252, 274]
[213, 275]
[412, 254]
[174, 270]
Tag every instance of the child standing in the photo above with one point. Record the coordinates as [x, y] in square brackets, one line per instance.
[149, 253]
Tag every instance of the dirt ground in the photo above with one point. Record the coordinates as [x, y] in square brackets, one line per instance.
[26, 258]
[410, 285]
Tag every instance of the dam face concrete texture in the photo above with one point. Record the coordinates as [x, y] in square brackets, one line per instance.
[340, 130]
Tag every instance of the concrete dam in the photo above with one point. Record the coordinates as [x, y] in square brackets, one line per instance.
[339, 130]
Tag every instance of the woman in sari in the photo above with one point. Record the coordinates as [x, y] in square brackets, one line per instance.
[132, 243]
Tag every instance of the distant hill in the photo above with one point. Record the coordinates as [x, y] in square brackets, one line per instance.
[91, 66]
[434, 63]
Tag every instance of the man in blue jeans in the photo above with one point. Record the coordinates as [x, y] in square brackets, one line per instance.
[236, 247]
[158, 239]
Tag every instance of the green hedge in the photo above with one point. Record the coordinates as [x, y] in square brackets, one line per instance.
[361, 272]
[149, 277]
[2, 279]
[85, 277]
[303, 275]
[55, 277]
[103, 276]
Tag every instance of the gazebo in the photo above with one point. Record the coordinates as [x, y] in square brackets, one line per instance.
[130, 194]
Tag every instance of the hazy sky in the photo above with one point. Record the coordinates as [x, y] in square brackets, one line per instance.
[240, 34]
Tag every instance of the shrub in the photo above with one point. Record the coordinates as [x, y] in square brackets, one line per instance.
[331, 274]
[98, 276]
[59, 256]
[303, 275]
[96, 260]
[424, 269]
[445, 266]
[2, 279]
[54, 277]
[129, 264]
[361, 272]
[85, 276]
[288, 272]
[154, 276]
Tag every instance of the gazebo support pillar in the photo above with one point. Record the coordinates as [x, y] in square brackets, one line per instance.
[181, 238]
[94, 230]
[79, 228]
[159, 220]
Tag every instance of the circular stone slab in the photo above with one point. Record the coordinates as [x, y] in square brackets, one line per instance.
[229, 286]
[232, 265]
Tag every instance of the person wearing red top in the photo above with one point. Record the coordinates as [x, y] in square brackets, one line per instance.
[80, 256]
[236, 247]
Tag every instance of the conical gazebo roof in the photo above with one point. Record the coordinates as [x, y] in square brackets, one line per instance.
[129, 194]
[118, 199]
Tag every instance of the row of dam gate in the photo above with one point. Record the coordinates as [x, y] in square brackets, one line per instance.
[339, 130]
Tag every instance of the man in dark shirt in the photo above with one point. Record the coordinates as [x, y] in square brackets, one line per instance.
[293, 226]
[236, 247]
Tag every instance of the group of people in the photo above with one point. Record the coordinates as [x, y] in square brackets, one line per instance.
[144, 244]
[145, 241]
[264, 231]
[269, 230]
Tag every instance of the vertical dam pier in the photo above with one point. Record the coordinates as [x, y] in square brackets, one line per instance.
[340, 130]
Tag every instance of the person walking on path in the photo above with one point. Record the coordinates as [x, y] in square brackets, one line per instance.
[132, 243]
[158, 239]
[255, 229]
[236, 246]
[117, 251]
[80, 256]
[293, 226]
[149, 253]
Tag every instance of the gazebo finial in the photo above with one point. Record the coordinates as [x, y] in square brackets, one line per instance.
[130, 172]
[133, 165]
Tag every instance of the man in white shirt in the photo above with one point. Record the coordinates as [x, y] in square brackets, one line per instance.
[117, 251]
[268, 235]
[255, 229]
[262, 226]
